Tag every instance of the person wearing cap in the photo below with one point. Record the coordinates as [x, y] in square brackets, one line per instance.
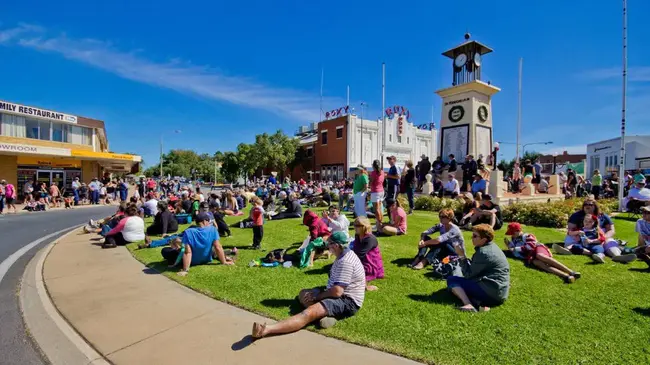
[525, 246]
[198, 246]
[398, 217]
[638, 196]
[128, 229]
[366, 247]
[642, 227]
[359, 189]
[441, 247]
[75, 190]
[451, 187]
[488, 213]
[342, 298]
[377, 191]
[392, 178]
[486, 278]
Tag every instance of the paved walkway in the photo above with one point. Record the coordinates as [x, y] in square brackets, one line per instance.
[134, 316]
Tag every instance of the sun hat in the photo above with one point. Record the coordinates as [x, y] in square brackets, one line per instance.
[645, 209]
[512, 228]
[202, 217]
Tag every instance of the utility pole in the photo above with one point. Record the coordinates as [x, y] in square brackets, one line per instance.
[621, 160]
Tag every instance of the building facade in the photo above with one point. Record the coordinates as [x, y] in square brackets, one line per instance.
[604, 155]
[47, 146]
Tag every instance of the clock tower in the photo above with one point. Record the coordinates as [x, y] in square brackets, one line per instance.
[466, 122]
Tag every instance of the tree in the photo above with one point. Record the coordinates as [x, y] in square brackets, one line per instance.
[231, 167]
[508, 166]
[274, 151]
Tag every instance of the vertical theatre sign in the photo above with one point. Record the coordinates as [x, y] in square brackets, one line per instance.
[402, 113]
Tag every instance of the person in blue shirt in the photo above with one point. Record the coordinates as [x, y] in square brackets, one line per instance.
[94, 187]
[198, 244]
[479, 185]
[392, 179]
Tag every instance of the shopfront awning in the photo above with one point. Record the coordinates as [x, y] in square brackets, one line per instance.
[111, 162]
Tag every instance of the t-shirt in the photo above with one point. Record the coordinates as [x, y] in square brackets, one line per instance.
[151, 206]
[399, 212]
[597, 180]
[543, 186]
[200, 239]
[480, 185]
[393, 170]
[10, 191]
[538, 168]
[347, 271]
[643, 228]
[493, 207]
[359, 182]
[377, 182]
[454, 236]
[452, 186]
[639, 194]
[577, 218]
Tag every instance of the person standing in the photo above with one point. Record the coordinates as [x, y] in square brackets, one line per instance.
[596, 183]
[377, 191]
[2, 198]
[392, 178]
[359, 190]
[537, 167]
[94, 187]
[9, 195]
[409, 182]
[425, 167]
[453, 165]
[75, 190]
[516, 177]
[470, 169]
[257, 216]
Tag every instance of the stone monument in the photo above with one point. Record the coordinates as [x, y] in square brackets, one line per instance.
[427, 187]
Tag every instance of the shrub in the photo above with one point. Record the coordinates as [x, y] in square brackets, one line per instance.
[555, 214]
[435, 204]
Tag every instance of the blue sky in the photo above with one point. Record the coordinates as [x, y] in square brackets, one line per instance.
[224, 71]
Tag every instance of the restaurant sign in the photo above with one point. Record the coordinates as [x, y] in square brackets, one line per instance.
[29, 111]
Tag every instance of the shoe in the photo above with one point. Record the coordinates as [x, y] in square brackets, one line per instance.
[598, 257]
[142, 245]
[624, 259]
[561, 250]
[576, 275]
[108, 245]
[241, 224]
[569, 279]
[327, 322]
[91, 222]
[86, 229]
[622, 243]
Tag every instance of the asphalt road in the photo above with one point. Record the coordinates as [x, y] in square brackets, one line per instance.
[17, 231]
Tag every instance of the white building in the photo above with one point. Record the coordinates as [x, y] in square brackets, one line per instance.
[604, 155]
[410, 144]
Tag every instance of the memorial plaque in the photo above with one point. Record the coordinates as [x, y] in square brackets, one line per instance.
[483, 141]
[455, 140]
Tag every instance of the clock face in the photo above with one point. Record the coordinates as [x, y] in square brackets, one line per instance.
[456, 113]
[477, 59]
[482, 113]
[460, 60]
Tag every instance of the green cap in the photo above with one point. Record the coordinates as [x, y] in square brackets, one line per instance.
[339, 237]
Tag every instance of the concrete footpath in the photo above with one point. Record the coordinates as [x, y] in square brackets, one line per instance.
[132, 315]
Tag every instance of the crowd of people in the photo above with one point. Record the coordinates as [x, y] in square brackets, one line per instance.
[479, 282]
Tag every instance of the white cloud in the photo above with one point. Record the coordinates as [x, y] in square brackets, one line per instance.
[634, 74]
[571, 150]
[175, 74]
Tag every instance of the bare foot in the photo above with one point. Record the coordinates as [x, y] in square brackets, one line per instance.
[371, 288]
[419, 266]
[182, 273]
[258, 330]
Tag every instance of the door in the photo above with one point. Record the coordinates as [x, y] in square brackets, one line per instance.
[58, 178]
[51, 177]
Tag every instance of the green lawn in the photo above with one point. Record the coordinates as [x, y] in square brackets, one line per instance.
[604, 318]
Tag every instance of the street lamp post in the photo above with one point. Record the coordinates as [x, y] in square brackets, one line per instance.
[554, 161]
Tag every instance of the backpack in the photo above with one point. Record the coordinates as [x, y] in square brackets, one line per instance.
[445, 267]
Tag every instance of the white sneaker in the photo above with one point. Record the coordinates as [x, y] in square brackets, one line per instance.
[327, 322]
[598, 257]
[560, 250]
[241, 224]
[624, 258]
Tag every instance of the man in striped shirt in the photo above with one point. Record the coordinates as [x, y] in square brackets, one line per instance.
[342, 298]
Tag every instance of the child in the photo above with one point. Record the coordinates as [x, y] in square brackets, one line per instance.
[589, 240]
[525, 246]
[68, 202]
[257, 217]
[316, 242]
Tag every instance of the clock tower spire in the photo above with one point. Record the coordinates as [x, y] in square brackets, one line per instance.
[466, 60]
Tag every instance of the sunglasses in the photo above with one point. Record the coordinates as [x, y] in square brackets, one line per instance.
[475, 236]
[588, 205]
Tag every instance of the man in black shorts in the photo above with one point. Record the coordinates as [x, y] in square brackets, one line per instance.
[342, 298]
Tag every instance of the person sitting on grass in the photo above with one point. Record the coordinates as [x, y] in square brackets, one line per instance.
[343, 296]
[315, 243]
[588, 240]
[398, 217]
[128, 229]
[196, 246]
[294, 209]
[336, 221]
[164, 222]
[441, 247]
[643, 242]
[230, 205]
[103, 226]
[525, 246]
[488, 213]
[486, 278]
[366, 247]
[469, 207]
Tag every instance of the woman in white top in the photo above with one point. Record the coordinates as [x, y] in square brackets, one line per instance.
[451, 186]
[129, 229]
[336, 221]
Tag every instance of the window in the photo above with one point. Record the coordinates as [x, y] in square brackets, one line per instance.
[323, 137]
[399, 139]
[31, 128]
[12, 125]
[44, 132]
[339, 132]
[615, 160]
[60, 132]
[390, 138]
[407, 140]
[310, 151]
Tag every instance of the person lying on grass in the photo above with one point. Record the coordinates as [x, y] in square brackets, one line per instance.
[366, 247]
[525, 246]
[643, 242]
[398, 217]
[486, 279]
[342, 298]
[196, 246]
[441, 247]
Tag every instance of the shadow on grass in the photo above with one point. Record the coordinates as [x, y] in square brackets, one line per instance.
[638, 269]
[442, 296]
[642, 311]
[323, 270]
[293, 304]
[402, 262]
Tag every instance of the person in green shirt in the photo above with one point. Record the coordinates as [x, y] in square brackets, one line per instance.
[596, 183]
[485, 281]
[359, 190]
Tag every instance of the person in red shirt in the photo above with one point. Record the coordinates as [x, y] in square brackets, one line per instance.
[151, 185]
[377, 191]
[257, 217]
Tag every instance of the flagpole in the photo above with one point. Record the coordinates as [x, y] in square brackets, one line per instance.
[621, 160]
[383, 112]
[521, 68]
[322, 76]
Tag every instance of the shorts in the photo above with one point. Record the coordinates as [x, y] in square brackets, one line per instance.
[377, 197]
[342, 307]
[9, 200]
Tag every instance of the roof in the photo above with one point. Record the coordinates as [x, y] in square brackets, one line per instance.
[482, 49]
